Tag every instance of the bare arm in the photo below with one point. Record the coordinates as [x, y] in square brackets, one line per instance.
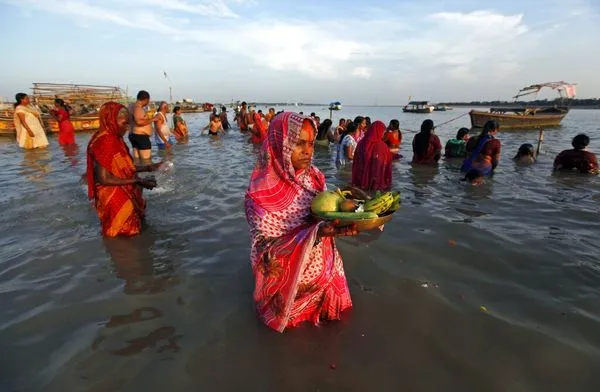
[157, 128]
[140, 118]
[350, 152]
[103, 177]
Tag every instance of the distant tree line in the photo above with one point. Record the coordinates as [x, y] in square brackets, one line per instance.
[588, 103]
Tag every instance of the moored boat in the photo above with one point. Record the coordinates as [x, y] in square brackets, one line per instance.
[88, 122]
[442, 108]
[7, 126]
[520, 118]
[417, 107]
[525, 117]
[335, 106]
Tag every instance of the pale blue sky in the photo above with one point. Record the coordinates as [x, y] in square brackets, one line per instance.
[309, 51]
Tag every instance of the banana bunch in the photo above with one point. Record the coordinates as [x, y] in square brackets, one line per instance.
[396, 204]
[385, 202]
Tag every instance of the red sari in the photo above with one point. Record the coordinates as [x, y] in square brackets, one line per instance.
[66, 133]
[120, 208]
[296, 278]
[259, 131]
[372, 165]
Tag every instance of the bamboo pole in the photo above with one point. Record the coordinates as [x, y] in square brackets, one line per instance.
[540, 140]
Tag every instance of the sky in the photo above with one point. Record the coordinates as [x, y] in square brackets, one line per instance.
[368, 52]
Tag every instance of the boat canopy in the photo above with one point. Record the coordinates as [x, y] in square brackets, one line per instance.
[335, 103]
[565, 90]
[417, 103]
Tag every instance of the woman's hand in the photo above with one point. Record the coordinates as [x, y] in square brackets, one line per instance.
[147, 183]
[330, 229]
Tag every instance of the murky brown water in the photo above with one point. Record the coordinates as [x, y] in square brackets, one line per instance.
[172, 309]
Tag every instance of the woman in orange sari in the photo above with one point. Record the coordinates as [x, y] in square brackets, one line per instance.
[259, 131]
[298, 271]
[111, 175]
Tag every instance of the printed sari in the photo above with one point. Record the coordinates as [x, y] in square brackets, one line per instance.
[297, 277]
[120, 208]
[372, 164]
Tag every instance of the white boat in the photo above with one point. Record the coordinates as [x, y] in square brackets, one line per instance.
[335, 106]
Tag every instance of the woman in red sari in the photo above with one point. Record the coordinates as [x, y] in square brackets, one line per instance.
[61, 114]
[111, 175]
[372, 165]
[259, 130]
[427, 148]
[298, 272]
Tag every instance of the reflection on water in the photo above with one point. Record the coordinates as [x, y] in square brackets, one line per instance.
[134, 263]
[36, 164]
[172, 308]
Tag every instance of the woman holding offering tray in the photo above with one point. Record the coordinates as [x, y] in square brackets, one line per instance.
[298, 272]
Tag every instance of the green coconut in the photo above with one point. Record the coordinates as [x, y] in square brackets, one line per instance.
[326, 201]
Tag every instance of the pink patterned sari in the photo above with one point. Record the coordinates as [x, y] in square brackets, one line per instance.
[297, 277]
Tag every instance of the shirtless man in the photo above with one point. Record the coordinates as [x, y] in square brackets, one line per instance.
[224, 119]
[242, 116]
[215, 126]
[213, 114]
[141, 128]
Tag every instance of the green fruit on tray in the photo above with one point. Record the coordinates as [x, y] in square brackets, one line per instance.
[327, 201]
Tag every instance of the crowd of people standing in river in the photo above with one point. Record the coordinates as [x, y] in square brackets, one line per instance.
[299, 274]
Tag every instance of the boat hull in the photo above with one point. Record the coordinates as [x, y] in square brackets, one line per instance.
[7, 126]
[421, 111]
[516, 121]
[80, 123]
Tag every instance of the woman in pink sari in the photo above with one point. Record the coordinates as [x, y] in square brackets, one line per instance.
[298, 272]
[372, 165]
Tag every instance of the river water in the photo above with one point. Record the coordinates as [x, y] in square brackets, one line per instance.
[493, 288]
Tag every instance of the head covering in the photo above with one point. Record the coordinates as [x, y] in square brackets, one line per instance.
[274, 181]
[372, 167]
[260, 127]
[108, 117]
[108, 127]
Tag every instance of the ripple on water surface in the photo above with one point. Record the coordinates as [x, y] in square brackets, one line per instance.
[173, 306]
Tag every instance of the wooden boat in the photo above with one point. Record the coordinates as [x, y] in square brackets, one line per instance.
[526, 117]
[520, 118]
[87, 122]
[7, 125]
[417, 107]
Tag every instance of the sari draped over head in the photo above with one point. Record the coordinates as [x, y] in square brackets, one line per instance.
[259, 127]
[297, 278]
[372, 167]
[120, 208]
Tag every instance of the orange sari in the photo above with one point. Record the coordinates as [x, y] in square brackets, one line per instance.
[120, 208]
